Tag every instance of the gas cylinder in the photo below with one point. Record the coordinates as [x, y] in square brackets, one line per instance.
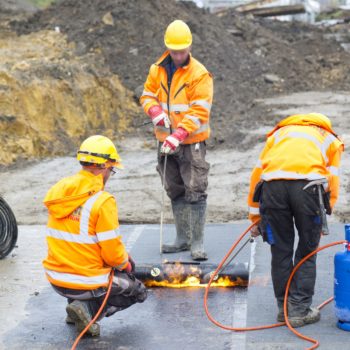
[342, 284]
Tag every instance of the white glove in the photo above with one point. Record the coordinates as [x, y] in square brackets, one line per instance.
[161, 120]
[159, 117]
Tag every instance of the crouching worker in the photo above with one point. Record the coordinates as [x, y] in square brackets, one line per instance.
[83, 241]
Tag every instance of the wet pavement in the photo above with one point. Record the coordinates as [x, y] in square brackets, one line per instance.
[169, 318]
[32, 314]
[262, 308]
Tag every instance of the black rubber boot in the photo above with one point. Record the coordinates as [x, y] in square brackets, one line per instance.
[197, 228]
[280, 315]
[181, 211]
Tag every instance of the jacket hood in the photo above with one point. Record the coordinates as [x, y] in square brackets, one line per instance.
[71, 192]
[306, 119]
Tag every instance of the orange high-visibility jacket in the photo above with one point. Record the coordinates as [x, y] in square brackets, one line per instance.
[82, 233]
[187, 102]
[299, 147]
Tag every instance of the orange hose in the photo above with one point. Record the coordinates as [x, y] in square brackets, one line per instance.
[325, 303]
[244, 329]
[74, 346]
[304, 337]
[211, 318]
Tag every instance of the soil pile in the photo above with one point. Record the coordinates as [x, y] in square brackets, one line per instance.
[249, 58]
[50, 99]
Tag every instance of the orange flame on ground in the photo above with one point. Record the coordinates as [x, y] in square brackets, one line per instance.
[194, 282]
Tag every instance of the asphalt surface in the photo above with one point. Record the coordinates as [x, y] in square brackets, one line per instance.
[32, 314]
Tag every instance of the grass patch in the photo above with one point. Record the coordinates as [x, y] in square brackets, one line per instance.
[42, 3]
[336, 14]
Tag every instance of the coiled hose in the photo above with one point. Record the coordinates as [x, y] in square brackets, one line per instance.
[8, 229]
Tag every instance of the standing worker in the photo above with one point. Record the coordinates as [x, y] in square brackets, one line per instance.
[295, 180]
[83, 239]
[177, 96]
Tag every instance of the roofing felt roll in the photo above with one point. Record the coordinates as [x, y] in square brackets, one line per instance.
[182, 274]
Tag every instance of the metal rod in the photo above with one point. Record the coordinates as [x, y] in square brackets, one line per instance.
[238, 251]
[162, 209]
[143, 124]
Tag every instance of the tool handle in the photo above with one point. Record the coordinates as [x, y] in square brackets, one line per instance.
[325, 229]
[143, 124]
[162, 209]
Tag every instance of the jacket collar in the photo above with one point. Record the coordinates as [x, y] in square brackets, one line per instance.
[166, 58]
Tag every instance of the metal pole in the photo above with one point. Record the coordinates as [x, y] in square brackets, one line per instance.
[162, 209]
[250, 239]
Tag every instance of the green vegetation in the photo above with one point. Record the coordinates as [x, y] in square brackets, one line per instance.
[335, 14]
[42, 3]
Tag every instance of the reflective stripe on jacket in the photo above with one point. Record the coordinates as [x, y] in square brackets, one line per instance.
[300, 147]
[187, 102]
[82, 233]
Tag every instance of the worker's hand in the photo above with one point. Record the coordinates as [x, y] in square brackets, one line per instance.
[172, 141]
[254, 231]
[132, 263]
[159, 117]
[128, 268]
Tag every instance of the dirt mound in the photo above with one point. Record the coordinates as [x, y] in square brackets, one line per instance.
[50, 99]
[249, 58]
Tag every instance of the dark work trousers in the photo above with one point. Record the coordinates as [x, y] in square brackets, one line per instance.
[126, 290]
[186, 175]
[283, 204]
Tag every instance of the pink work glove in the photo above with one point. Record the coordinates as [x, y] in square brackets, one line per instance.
[158, 116]
[130, 267]
[172, 141]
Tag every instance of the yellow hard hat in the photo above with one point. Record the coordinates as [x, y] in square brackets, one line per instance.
[99, 150]
[178, 36]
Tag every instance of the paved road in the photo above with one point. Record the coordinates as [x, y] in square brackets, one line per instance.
[32, 315]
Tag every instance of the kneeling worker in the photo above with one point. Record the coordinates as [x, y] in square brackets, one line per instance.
[83, 240]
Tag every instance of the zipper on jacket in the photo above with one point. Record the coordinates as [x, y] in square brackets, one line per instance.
[168, 100]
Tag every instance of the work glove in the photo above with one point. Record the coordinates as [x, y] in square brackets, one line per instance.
[132, 263]
[172, 141]
[130, 267]
[254, 231]
[159, 117]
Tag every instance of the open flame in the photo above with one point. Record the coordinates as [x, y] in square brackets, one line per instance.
[194, 282]
[179, 275]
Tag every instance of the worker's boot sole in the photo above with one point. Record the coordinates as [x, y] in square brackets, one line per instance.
[81, 318]
[168, 248]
